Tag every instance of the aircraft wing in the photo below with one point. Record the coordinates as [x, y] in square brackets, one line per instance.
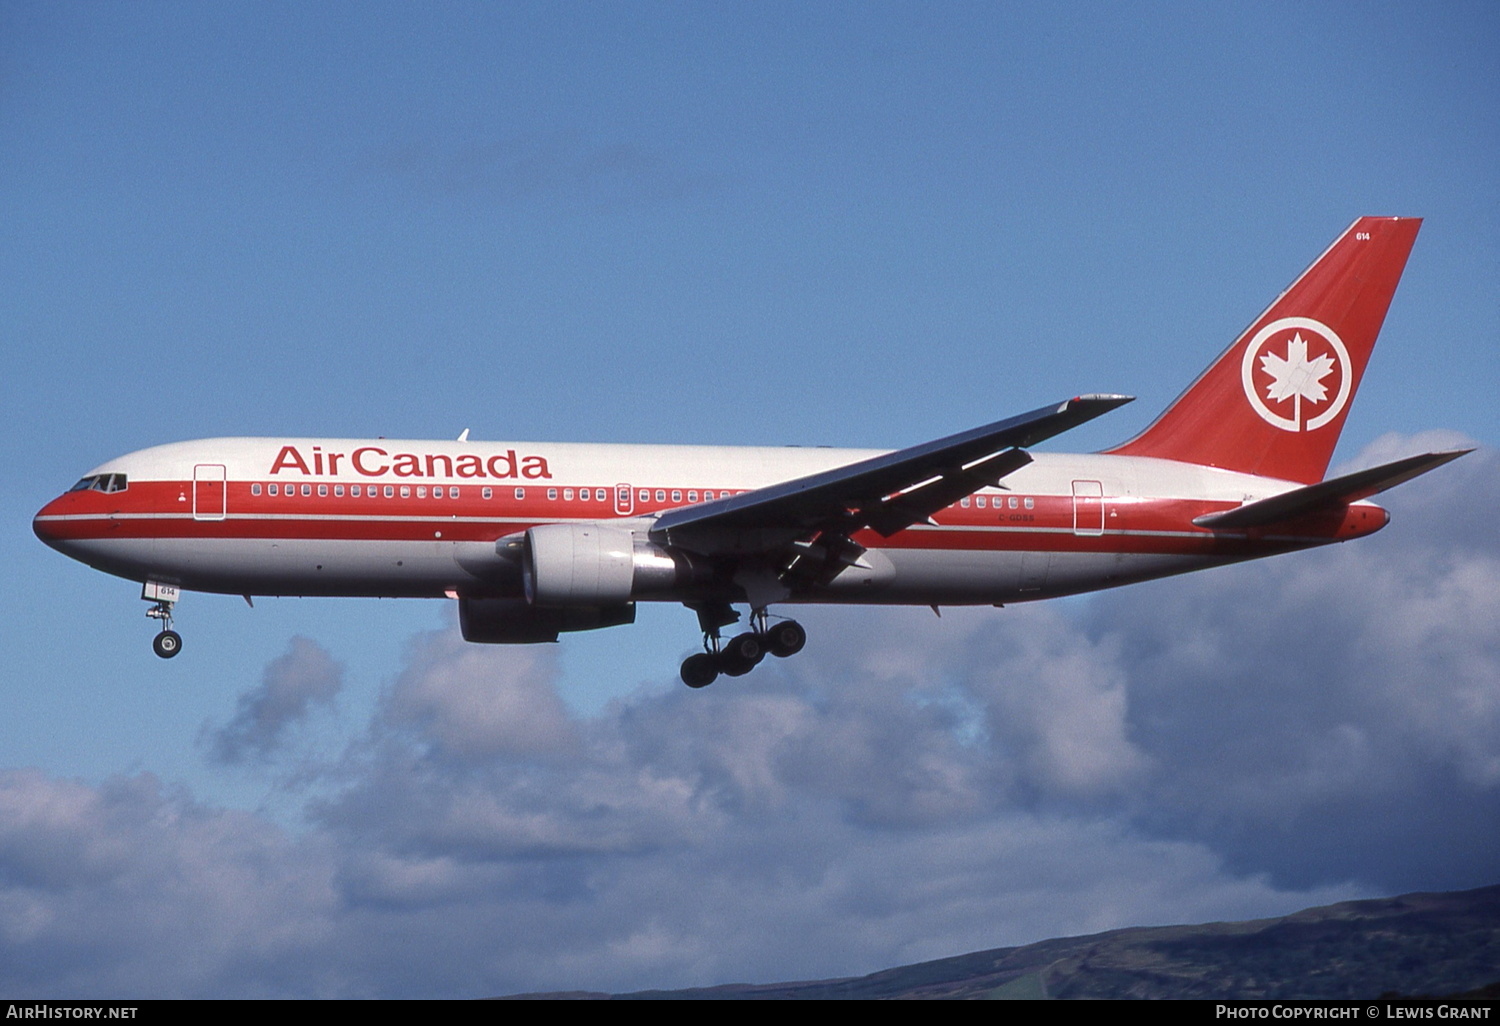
[1330, 494]
[886, 493]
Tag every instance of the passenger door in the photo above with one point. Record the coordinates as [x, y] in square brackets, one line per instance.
[210, 491]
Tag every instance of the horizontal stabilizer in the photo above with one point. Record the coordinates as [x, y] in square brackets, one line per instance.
[1330, 494]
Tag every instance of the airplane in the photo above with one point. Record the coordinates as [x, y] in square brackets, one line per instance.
[537, 539]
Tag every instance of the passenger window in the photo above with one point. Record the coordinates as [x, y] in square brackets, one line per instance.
[661, 495]
[307, 489]
[255, 489]
[338, 491]
[980, 501]
[552, 494]
[645, 495]
[1029, 503]
[421, 491]
[676, 495]
[354, 491]
[964, 502]
[406, 491]
[520, 493]
[692, 495]
[567, 495]
[389, 491]
[322, 491]
[1012, 502]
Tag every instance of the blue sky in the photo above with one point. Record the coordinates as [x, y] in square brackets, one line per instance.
[775, 224]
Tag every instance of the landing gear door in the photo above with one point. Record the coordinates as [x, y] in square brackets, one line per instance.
[210, 491]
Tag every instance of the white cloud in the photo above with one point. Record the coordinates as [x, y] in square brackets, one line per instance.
[306, 675]
[477, 702]
[128, 889]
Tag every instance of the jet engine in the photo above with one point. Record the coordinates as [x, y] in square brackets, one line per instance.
[516, 622]
[567, 566]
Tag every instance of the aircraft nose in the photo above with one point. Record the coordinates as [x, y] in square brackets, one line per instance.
[46, 526]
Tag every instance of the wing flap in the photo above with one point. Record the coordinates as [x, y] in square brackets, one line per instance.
[898, 512]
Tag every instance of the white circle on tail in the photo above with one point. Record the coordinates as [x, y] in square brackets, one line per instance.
[1289, 370]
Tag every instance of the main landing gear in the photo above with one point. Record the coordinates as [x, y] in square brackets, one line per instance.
[743, 652]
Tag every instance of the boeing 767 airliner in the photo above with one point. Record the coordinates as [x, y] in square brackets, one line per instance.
[534, 539]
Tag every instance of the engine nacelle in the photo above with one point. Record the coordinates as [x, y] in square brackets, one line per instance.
[573, 565]
[516, 622]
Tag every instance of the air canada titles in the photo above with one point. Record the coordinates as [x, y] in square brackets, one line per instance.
[375, 461]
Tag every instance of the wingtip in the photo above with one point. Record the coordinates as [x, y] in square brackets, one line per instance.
[1106, 399]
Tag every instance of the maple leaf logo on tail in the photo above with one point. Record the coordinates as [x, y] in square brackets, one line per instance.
[1296, 377]
[1296, 396]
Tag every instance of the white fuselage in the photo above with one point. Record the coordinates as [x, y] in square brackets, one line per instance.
[405, 518]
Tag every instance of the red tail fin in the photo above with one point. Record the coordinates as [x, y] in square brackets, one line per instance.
[1274, 403]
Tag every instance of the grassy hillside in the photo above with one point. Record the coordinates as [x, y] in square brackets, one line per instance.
[1415, 944]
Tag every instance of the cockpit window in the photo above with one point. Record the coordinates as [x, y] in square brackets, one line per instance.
[101, 483]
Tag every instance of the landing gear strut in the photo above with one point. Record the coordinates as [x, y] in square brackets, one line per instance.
[742, 653]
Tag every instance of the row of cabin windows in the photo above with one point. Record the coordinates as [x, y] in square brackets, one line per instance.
[692, 495]
[585, 494]
[1001, 502]
[452, 492]
[373, 491]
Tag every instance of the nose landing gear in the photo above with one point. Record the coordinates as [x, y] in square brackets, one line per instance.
[167, 643]
[742, 653]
